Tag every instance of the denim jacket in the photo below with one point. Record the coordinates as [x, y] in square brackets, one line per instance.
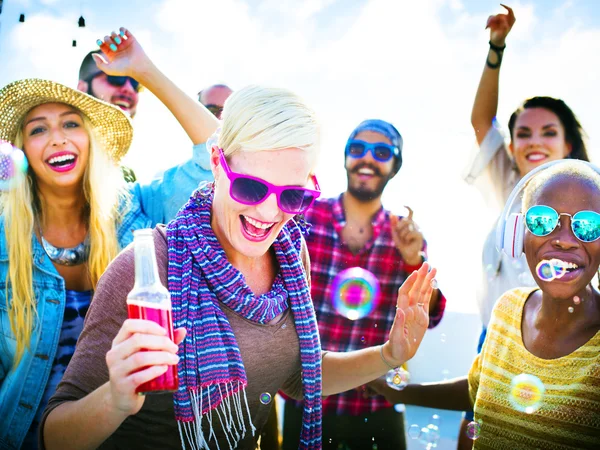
[22, 387]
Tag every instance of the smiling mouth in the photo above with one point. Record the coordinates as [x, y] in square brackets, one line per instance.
[255, 229]
[536, 157]
[61, 161]
[122, 102]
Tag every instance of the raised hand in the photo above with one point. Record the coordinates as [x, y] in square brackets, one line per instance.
[407, 238]
[412, 316]
[500, 25]
[123, 55]
[129, 366]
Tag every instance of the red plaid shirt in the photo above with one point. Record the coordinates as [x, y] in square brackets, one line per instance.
[328, 256]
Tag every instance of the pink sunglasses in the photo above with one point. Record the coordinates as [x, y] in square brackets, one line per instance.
[249, 190]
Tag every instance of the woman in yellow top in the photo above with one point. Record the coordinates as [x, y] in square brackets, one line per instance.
[536, 382]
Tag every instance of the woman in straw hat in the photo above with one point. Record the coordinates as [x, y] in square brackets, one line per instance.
[237, 269]
[70, 214]
[62, 223]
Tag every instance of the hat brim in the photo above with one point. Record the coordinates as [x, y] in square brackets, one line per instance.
[111, 125]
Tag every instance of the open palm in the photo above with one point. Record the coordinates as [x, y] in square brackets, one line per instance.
[412, 314]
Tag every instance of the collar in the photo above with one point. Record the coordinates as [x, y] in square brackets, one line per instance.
[201, 156]
[378, 220]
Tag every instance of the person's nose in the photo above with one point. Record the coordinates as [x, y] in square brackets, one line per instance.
[128, 87]
[563, 236]
[269, 209]
[58, 137]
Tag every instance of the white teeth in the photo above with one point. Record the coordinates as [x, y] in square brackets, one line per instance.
[536, 157]
[365, 171]
[262, 226]
[565, 264]
[122, 103]
[62, 158]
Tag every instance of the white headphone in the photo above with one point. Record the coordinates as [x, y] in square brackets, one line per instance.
[510, 229]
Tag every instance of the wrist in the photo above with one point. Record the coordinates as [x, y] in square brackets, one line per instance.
[145, 73]
[499, 43]
[414, 263]
[386, 355]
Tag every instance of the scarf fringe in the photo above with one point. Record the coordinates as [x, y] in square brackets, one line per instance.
[230, 413]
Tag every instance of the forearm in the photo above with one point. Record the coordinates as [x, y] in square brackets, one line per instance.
[82, 424]
[452, 394]
[198, 122]
[343, 371]
[485, 106]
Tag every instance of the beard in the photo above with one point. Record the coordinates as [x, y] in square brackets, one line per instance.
[361, 191]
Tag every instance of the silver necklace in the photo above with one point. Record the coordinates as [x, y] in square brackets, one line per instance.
[72, 256]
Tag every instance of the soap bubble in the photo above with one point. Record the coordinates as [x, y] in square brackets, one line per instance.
[397, 378]
[265, 398]
[355, 293]
[414, 431]
[526, 392]
[473, 430]
[12, 163]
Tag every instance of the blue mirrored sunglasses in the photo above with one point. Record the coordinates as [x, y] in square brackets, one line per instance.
[381, 151]
[541, 220]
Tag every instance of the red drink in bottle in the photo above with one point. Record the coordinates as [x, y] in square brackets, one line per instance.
[150, 300]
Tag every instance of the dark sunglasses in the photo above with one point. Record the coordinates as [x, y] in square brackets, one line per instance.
[381, 151]
[216, 110]
[249, 190]
[541, 220]
[117, 80]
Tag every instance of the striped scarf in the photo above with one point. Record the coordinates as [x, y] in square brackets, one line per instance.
[212, 378]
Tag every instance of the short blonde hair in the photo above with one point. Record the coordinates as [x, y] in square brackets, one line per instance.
[258, 118]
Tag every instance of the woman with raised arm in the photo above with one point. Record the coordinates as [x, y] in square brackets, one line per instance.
[542, 129]
[236, 266]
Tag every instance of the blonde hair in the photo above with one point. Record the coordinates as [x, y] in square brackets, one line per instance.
[571, 168]
[257, 118]
[105, 195]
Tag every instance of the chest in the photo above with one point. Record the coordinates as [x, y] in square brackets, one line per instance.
[77, 278]
[553, 344]
[356, 236]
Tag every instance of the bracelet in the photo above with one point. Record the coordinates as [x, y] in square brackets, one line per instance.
[385, 360]
[499, 52]
[497, 48]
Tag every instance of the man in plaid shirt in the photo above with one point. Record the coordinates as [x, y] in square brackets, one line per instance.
[353, 230]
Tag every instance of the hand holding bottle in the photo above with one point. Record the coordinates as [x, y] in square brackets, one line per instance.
[140, 352]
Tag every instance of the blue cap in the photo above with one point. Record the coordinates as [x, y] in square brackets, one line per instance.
[386, 129]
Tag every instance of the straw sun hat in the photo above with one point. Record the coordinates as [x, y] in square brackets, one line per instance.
[111, 126]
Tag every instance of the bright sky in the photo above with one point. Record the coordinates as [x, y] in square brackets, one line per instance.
[413, 63]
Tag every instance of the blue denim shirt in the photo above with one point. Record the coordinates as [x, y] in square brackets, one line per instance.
[22, 387]
[164, 196]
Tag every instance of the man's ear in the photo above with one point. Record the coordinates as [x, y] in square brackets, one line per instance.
[82, 86]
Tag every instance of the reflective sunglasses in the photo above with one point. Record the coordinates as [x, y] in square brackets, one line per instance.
[380, 151]
[541, 220]
[117, 80]
[216, 110]
[249, 190]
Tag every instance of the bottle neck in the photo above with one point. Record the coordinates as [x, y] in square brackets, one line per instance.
[146, 269]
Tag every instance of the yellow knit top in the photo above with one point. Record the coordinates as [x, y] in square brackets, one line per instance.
[562, 395]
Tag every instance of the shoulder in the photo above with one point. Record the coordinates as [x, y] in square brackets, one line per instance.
[509, 306]
[321, 211]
